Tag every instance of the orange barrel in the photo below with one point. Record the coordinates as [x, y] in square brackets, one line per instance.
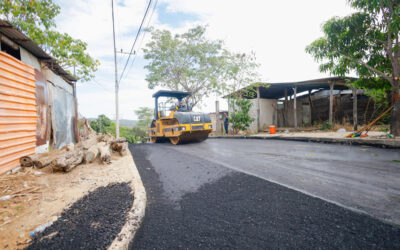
[272, 129]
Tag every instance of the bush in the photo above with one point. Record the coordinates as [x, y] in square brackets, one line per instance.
[240, 118]
[327, 125]
[104, 121]
[132, 135]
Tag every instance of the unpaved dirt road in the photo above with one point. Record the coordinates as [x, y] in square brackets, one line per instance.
[223, 193]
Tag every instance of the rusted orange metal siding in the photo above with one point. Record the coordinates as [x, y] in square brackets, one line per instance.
[18, 115]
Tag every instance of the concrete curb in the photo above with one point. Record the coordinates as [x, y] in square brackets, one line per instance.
[135, 215]
[346, 141]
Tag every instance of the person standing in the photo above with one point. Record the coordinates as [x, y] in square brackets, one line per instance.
[226, 123]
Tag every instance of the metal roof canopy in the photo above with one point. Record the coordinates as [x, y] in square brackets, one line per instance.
[19, 38]
[277, 90]
[170, 93]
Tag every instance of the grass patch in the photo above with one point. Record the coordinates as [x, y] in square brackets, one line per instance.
[19, 208]
[395, 160]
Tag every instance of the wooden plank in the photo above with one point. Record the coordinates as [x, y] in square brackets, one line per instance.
[258, 109]
[355, 112]
[295, 107]
[331, 85]
[310, 104]
[217, 127]
[285, 108]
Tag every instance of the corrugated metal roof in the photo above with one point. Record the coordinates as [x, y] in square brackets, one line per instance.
[19, 38]
[277, 90]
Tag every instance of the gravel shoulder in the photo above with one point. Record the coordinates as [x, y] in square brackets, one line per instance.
[223, 208]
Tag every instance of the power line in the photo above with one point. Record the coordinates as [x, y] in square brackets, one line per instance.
[143, 36]
[104, 88]
[136, 38]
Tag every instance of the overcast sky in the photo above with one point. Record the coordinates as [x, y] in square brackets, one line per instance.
[277, 31]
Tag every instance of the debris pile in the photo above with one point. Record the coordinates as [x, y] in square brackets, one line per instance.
[99, 147]
[17, 192]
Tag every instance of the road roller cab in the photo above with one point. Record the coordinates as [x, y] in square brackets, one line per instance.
[178, 123]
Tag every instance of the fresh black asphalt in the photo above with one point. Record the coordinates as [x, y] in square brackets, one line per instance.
[194, 203]
[90, 223]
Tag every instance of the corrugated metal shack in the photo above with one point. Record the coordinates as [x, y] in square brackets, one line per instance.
[38, 106]
[304, 103]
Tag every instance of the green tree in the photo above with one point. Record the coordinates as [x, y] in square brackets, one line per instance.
[240, 117]
[242, 75]
[366, 42]
[186, 62]
[36, 18]
[145, 116]
[101, 124]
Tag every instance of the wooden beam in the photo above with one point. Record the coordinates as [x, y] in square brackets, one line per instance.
[217, 121]
[355, 115]
[331, 85]
[285, 108]
[295, 107]
[258, 109]
[310, 104]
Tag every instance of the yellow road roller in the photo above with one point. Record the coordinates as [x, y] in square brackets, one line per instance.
[178, 123]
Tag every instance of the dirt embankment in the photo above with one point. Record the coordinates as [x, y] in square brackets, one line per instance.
[30, 197]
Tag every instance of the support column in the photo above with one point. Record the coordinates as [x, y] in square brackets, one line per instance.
[258, 109]
[294, 107]
[310, 104]
[217, 120]
[285, 108]
[331, 85]
[355, 115]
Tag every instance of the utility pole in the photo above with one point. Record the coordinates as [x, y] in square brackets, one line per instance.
[116, 76]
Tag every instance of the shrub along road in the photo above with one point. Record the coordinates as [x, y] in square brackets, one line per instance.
[198, 199]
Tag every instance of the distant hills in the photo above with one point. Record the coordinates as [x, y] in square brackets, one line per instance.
[127, 123]
[122, 122]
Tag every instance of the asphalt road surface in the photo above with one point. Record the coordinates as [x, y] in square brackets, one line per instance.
[92, 222]
[257, 194]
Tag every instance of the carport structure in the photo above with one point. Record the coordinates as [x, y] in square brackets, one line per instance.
[286, 90]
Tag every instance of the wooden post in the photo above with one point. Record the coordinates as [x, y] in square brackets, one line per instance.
[285, 108]
[310, 105]
[294, 107]
[217, 121]
[355, 116]
[258, 109]
[331, 85]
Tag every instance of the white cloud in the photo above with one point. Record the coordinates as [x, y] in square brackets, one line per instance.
[278, 32]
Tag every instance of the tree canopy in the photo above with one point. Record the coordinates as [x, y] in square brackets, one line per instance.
[367, 43]
[192, 62]
[145, 116]
[36, 18]
[101, 124]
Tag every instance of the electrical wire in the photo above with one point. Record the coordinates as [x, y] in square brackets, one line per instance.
[136, 38]
[102, 87]
[143, 36]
